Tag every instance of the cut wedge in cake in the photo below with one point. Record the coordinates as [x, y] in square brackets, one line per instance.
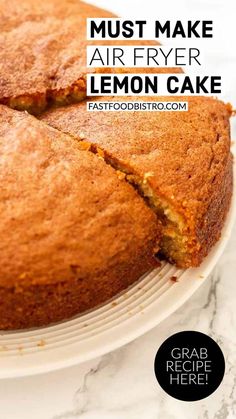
[43, 52]
[73, 234]
[179, 161]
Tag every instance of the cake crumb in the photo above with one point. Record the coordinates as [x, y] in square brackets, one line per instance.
[174, 278]
[100, 153]
[146, 176]
[120, 175]
[84, 145]
[41, 343]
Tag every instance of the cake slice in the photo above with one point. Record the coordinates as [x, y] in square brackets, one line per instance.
[73, 234]
[43, 52]
[179, 161]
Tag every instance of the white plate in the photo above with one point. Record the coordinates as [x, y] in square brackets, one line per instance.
[130, 315]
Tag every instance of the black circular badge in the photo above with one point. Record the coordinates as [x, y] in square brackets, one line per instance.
[189, 366]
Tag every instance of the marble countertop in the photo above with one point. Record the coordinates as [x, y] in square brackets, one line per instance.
[122, 385]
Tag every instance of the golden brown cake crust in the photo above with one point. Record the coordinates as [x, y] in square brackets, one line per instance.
[187, 154]
[72, 233]
[43, 52]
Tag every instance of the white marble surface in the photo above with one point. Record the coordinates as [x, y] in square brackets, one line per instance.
[121, 385]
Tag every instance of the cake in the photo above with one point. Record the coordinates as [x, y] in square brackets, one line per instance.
[90, 200]
[72, 233]
[43, 52]
[179, 161]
